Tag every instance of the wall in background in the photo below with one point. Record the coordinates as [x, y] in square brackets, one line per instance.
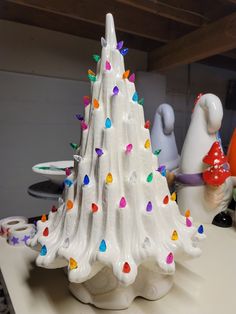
[152, 87]
[37, 124]
[42, 81]
[33, 50]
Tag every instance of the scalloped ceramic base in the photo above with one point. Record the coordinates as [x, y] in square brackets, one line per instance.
[104, 291]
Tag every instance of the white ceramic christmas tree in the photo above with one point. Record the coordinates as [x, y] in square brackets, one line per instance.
[116, 228]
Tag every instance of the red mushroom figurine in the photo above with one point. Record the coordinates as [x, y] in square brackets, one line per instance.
[215, 156]
[217, 173]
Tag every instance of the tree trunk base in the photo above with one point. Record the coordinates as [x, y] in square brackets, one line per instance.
[105, 292]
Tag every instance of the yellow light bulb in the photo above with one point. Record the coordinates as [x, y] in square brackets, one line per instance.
[73, 264]
[174, 236]
[109, 178]
[147, 144]
[173, 196]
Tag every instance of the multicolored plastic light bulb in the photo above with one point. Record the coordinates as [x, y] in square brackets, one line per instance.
[122, 202]
[187, 213]
[90, 72]
[115, 90]
[84, 125]
[162, 170]
[86, 180]
[45, 232]
[128, 148]
[79, 116]
[126, 74]
[170, 258]
[96, 58]
[108, 123]
[141, 101]
[119, 45]
[73, 264]
[166, 200]
[108, 66]
[74, 146]
[132, 78]
[94, 207]
[77, 158]
[147, 124]
[43, 218]
[95, 103]
[200, 229]
[157, 152]
[68, 182]
[173, 196]
[43, 250]
[124, 51]
[135, 97]
[147, 144]
[150, 177]
[109, 178]
[92, 78]
[67, 171]
[149, 206]
[54, 209]
[103, 42]
[69, 205]
[86, 100]
[102, 246]
[126, 268]
[174, 236]
[99, 151]
[188, 222]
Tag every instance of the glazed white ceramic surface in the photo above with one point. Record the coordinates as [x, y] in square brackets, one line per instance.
[203, 201]
[133, 235]
[163, 137]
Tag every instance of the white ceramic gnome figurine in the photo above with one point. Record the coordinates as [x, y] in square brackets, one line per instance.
[163, 137]
[117, 228]
[204, 184]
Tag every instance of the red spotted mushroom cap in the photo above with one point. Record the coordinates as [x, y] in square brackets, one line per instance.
[215, 156]
[215, 175]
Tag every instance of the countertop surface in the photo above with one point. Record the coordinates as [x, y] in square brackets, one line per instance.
[205, 285]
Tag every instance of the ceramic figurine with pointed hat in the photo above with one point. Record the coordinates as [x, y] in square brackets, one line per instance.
[204, 182]
[163, 137]
[164, 143]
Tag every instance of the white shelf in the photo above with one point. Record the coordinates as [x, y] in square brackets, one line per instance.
[205, 285]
